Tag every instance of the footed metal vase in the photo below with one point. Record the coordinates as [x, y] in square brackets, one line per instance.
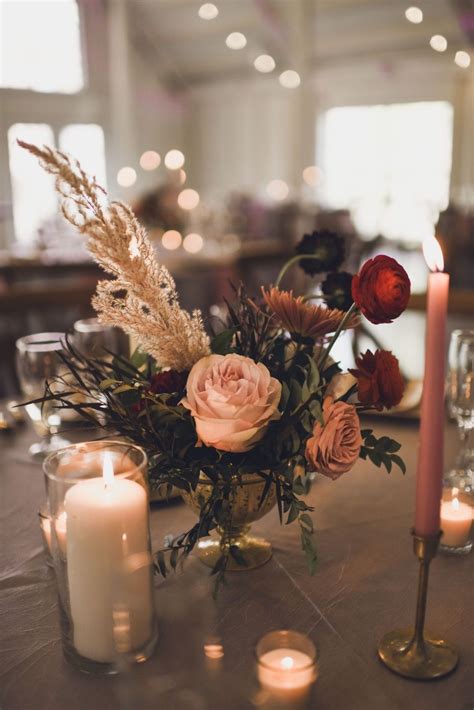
[246, 508]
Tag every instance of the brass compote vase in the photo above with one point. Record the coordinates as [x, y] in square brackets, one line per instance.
[246, 507]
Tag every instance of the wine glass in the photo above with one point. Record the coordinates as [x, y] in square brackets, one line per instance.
[37, 362]
[460, 395]
[94, 339]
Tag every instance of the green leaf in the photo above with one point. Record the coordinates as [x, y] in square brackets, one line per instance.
[296, 393]
[399, 462]
[123, 388]
[315, 409]
[293, 514]
[394, 446]
[138, 358]
[174, 557]
[375, 458]
[105, 384]
[160, 561]
[235, 552]
[306, 522]
[365, 432]
[285, 395]
[221, 344]
[387, 462]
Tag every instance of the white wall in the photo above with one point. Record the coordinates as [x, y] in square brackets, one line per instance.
[245, 133]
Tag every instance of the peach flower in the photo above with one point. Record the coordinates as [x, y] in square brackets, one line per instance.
[334, 448]
[305, 319]
[232, 400]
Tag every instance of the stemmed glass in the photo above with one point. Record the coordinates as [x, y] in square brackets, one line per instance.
[37, 362]
[460, 397]
[94, 339]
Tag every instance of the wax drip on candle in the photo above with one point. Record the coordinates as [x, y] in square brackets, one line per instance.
[433, 254]
[107, 469]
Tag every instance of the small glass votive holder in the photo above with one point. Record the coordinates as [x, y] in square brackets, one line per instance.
[100, 545]
[45, 529]
[456, 522]
[286, 667]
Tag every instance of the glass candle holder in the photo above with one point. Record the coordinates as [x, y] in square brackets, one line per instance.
[100, 545]
[45, 529]
[286, 666]
[456, 520]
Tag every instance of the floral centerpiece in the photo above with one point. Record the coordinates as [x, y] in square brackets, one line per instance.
[236, 419]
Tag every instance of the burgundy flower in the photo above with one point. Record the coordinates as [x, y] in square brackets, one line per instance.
[381, 289]
[379, 380]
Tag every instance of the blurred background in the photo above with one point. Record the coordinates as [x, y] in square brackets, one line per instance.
[233, 128]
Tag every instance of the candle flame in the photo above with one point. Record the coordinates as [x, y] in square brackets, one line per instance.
[287, 662]
[433, 254]
[455, 503]
[107, 469]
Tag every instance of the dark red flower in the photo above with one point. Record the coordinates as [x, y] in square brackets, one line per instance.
[381, 289]
[379, 380]
[167, 382]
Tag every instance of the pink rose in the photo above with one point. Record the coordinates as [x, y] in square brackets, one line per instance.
[232, 399]
[334, 448]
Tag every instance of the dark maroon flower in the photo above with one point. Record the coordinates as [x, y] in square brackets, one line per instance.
[381, 289]
[166, 382]
[379, 380]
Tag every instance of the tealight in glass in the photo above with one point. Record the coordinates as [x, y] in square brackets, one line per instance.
[456, 520]
[100, 545]
[286, 666]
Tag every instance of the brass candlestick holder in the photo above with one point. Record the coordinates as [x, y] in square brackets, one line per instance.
[409, 652]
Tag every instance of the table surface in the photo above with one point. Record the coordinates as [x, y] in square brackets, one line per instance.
[365, 585]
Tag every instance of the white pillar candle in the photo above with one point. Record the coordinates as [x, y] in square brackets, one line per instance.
[286, 672]
[107, 522]
[456, 521]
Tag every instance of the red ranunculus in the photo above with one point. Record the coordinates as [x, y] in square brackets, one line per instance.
[381, 289]
[167, 382]
[379, 381]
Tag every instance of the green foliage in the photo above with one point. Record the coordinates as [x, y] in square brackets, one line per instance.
[381, 451]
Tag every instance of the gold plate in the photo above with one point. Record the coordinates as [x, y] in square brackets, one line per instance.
[433, 658]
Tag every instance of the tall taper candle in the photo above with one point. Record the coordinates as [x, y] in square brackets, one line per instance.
[430, 458]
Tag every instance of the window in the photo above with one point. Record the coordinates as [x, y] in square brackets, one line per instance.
[85, 141]
[390, 165]
[34, 197]
[40, 46]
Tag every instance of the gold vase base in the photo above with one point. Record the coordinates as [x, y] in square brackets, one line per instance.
[433, 659]
[255, 551]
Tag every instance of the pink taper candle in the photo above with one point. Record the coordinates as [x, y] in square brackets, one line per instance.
[430, 458]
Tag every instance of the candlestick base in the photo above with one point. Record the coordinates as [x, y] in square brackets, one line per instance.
[410, 652]
[433, 658]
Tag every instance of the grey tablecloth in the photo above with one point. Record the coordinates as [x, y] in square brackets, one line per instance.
[365, 586]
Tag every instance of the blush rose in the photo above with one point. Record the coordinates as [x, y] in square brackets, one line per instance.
[334, 448]
[232, 400]
[381, 289]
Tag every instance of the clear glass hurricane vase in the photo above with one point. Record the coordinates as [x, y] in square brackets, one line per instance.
[100, 544]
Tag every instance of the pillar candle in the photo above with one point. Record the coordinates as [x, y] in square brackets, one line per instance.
[430, 457]
[107, 522]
